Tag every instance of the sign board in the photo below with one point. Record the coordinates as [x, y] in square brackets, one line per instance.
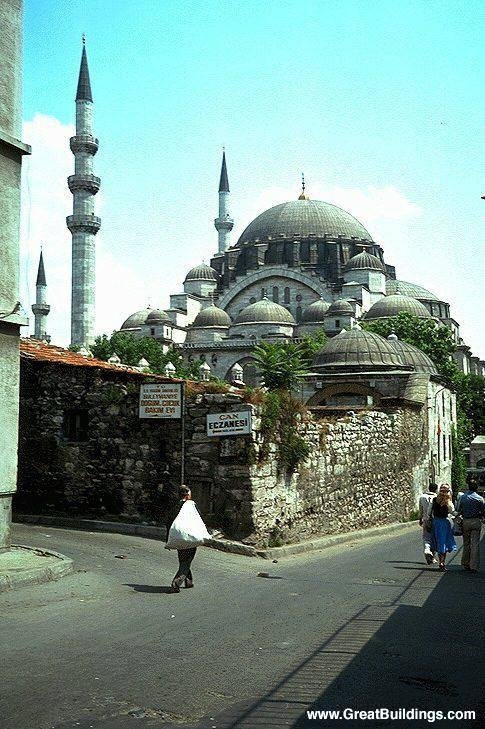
[161, 401]
[237, 422]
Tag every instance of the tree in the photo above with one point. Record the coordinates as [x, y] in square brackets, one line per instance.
[131, 349]
[435, 340]
[280, 364]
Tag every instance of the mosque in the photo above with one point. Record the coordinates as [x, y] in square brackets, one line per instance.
[297, 268]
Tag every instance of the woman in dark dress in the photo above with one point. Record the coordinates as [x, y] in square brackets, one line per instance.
[184, 573]
[444, 541]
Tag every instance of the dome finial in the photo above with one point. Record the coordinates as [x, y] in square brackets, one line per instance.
[83, 39]
[303, 195]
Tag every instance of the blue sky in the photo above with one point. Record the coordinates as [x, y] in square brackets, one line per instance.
[381, 104]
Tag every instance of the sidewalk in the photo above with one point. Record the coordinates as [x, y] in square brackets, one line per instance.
[22, 566]
[224, 545]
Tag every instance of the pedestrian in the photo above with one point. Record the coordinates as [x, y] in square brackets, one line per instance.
[472, 509]
[425, 502]
[183, 576]
[443, 539]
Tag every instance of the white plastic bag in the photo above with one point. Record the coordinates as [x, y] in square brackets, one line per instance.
[188, 530]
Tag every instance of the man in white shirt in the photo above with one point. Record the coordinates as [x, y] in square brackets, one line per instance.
[425, 502]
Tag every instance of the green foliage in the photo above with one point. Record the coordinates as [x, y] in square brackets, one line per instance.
[131, 349]
[470, 400]
[278, 423]
[74, 347]
[435, 340]
[283, 364]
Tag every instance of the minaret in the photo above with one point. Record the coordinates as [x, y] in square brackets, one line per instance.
[224, 223]
[83, 223]
[41, 308]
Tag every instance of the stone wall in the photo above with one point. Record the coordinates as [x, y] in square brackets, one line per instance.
[363, 469]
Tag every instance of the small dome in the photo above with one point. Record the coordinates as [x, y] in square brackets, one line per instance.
[315, 312]
[341, 307]
[203, 272]
[264, 312]
[157, 316]
[358, 349]
[137, 319]
[212, 316]
[395, 304]
[409, 289]
[364, 260]
[413, 356]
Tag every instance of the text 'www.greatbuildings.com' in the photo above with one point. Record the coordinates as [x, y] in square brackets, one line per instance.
[383, 714]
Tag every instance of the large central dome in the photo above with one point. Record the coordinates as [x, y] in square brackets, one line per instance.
[301, 219]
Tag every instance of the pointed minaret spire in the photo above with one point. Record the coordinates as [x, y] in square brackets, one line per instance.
[40, 309]
[224, 181]
[224, 223]
[83, 223]
[303, 195]
[84, 84]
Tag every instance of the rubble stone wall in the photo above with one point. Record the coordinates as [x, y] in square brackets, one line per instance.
[363, 469]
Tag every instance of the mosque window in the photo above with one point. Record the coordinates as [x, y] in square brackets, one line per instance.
[152, 331]
[337, 323]
[263, 293]
[252, 300]
[75, 425]
[444, 447]
[287, 294]
[298, 313]
[298, 297]
[276, 294]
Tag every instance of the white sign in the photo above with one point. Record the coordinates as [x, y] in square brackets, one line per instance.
[237, 422]
[161, 401]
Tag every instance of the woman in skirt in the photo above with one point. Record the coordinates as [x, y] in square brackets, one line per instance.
[444, 541]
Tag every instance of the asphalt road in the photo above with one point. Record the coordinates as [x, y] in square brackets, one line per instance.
[357, 626]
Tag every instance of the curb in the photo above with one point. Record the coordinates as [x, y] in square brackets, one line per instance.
[315, 545]
[223, 545]
[36, 575]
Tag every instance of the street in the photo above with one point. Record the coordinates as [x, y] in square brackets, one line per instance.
[362, 625]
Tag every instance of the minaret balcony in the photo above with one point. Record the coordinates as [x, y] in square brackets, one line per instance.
[82, 181]
[84, 143]
[226, 224]
[40, 309]
[83, 223]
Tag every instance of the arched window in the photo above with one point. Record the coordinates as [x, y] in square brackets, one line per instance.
[298, 314]
[276, 294]
[287, 294]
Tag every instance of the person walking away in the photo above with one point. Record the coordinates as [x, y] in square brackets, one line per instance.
[444, 541]
[183, 575]
[425, 501]
[472, 509]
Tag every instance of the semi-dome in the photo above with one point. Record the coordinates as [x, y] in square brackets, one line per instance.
[358, 349]
[413, 356]
[157, 316]
[340, 307]
[202, 272]
[302, 219]
[212, 316]
[315, 312]
[264, 312]
[137, 319]
[393, 286]
[396, 304]
[364, 260]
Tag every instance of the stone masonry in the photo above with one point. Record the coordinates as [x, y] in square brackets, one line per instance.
[84, 451]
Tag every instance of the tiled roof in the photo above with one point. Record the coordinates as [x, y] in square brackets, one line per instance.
[33, 349]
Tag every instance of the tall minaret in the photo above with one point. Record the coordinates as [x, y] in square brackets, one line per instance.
[224, 223]
[83, 223]
[41, 308]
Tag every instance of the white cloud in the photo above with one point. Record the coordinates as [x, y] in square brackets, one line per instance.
[46, 201]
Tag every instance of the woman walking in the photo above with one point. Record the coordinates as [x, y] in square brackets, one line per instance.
[444, 541]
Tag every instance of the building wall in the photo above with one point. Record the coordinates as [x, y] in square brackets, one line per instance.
[363, 469]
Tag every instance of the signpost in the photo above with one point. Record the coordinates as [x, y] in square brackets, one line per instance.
[165, 400]
[237, 422]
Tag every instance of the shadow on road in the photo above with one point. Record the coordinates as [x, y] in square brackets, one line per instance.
[423, 650]
[156, 589]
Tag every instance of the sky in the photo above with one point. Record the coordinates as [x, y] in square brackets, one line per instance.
[379, 103]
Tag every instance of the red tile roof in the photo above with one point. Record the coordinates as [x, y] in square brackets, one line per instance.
[42, 352]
